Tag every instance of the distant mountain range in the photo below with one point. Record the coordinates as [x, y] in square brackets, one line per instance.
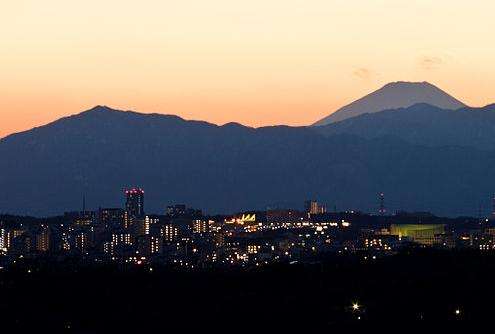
[423, 158]
[423, 124]
[393, 96]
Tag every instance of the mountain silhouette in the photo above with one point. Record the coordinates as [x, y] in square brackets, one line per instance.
[393, 96]
[223, 169]
[424, 124]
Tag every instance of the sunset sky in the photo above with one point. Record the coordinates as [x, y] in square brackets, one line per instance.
[257, 62]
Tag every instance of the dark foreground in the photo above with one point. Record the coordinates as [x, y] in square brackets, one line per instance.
[423, 288]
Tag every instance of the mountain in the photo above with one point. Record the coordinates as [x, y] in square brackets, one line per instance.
[222, 169]
[393, 96]
[423, 124]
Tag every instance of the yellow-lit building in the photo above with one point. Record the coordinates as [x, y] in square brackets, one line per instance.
[246, 218]
[169, 233]
[82, 242]
[253, 249]
[5, 239]
[201, 226]
[121, 239]
[156, 245]
[43, 239]
[425, 234]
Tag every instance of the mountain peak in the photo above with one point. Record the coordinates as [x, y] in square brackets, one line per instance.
[395, 95]
[408, 84]
[417, 86]
[101, 109]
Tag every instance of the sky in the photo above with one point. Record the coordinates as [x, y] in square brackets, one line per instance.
[256, 62]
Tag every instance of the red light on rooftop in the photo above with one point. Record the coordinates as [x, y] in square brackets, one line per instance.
[134, 191]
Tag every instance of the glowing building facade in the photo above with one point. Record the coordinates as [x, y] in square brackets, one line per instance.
[134, 205]
[425, 234]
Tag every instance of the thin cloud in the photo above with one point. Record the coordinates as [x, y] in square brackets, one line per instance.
[430, 62]
[363, 73]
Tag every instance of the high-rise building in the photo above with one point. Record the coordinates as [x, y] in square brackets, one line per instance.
[8, 236]
[143, 245]
[43, 239]
[382, 210]
[65, 242]
[5, 239]
[314, 208]
[121, 238]
[134, 204]
[201, 226]
[140, 226]
[21, 244]
[82, 242]
[111, 217]
[156, 245]
[169, 232]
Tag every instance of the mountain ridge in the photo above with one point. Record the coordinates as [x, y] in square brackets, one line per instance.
[394, 95]
[424, 124]
[230, 168]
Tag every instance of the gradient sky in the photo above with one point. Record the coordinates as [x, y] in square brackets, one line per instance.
[257, 62]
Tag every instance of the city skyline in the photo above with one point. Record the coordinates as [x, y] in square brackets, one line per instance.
[177, 257]
[265, 165]
[261, 63]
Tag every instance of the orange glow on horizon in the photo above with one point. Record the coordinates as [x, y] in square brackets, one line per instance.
[256, 63]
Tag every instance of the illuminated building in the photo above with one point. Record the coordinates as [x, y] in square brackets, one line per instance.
[5, 239]
[250, 227]
[111, 217]
[81, 242]
[148, 245]
[153, 220]
[314, 208]
[43, 239]
[245, 223]
[143, 245]
[121, 239]
[169, 232]
[128, 219]
[146, 226]
[201, 226]
[108, 247]
[134, 204]
[148, 222]
[156, 245]
[21, 244]
[140, 226]
[380, 242]
[65, 241]
[16, 232]
[248, 218]
[253, 249]
[219, 239]
[83, 220]
[425, 234]
[382, 209]
[80, 218]
[8, 239]
[244, 219]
